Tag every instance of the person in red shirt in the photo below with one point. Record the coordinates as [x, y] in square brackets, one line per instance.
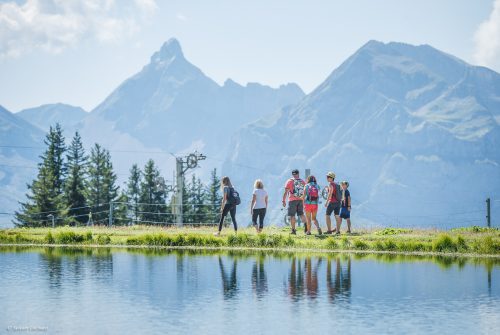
[294, 190]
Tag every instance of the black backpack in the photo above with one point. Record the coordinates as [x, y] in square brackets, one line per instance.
[233, 197]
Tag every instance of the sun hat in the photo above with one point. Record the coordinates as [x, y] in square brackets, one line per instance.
[331, 175]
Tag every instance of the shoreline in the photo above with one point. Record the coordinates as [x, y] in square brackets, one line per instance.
[254, 249]
[473, 242]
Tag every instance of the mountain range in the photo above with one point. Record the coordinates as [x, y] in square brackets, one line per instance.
[170, 106]
[414, 130]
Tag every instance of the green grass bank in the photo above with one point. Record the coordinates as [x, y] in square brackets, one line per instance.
[466, 241]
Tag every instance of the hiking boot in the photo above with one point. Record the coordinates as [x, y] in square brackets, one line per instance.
[319, 231]
[294, 232]
[308, 233]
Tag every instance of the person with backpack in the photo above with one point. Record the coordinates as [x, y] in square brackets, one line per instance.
[345, 206]
[294, 190]
[258, 205]
[311, 199]
[332, 203]
[230, 200]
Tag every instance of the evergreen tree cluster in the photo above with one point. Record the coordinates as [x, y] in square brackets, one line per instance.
[73, 188]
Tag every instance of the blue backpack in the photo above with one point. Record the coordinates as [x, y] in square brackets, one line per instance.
[233, 197]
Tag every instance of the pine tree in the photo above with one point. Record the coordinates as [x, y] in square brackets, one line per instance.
[76, 167]
[121, 211]
[45, 197]
[196, 201]
[111, 189]
[100, 186]
[152, 196]
[214, 198]
[54, 156]
[133, 192]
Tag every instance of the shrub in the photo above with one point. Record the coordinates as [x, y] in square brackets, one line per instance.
[289, 241]
[156, 240]
[178, 241]
[360, 245]
[390, 245]
[88, 236]
[487, 246]
[379, 246]
[461, 244]
[271, 241]
[49, 238]
[103, 239]
[68, 237]
[444, 243]
[212, 241]
[4, 237]
[242, 240]
[195, 240]
[345, 242]
[331, 243]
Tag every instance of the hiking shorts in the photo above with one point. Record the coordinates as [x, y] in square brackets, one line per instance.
[295, 207]
[311, 208]
[345, 213]
[333, 207]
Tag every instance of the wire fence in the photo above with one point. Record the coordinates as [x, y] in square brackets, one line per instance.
[125, 213]
[131, 213]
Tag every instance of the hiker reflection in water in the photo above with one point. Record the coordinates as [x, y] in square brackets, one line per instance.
[312, 277]
[259, 279]
[229, 283]
[340, 287]
[303, 281]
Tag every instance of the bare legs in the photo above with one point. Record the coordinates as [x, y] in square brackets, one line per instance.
[311, 217]
[339, 221]
[328, 223]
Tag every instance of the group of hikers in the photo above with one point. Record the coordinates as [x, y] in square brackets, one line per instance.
[303, 201]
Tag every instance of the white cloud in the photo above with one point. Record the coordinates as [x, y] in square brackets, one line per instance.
[181, 17]
[487, 39]
[53, 25]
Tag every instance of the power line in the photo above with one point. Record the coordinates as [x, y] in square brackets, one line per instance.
[135, 152]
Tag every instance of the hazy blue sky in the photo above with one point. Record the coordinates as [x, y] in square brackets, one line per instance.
[77, 52]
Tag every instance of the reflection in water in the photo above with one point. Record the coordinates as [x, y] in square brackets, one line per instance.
[259, 279]
[306, 275]
[341, 285]
[303, 280]
[312, 277]
[229, 283]
[295, 280]
[69, 264]
[155, 291]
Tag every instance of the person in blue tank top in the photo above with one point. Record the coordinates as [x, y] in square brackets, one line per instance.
[311, 200]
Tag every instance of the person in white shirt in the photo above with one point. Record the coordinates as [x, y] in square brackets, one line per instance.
[259, 205]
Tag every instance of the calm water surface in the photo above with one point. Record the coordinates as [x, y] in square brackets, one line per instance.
[113, 291]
